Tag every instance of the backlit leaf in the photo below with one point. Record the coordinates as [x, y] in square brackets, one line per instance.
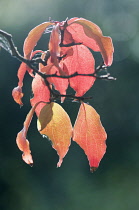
[21, 73]
[41, 93]
[54, 44]
[55, 123]
[22, 142]
[89, 133]
[79, 59]
[17, 95]
[54, 48]
[90, 35]
[59, 84]
[33, 37]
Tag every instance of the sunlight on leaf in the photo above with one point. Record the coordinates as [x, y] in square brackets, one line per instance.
[58, 128]
[17, 95]
[22, 142]
[41, 93]
[90, 35]
[82, 62]
[89, 133]
[33, 37]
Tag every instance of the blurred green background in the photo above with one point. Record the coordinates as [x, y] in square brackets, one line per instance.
[115, 185]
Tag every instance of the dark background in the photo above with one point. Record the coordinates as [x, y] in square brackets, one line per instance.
[115, 185]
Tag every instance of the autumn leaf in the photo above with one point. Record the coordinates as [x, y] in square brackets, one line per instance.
[59, 84]
[89, 133]
[54, 49]
[17, 91]
[54, 44]
[41, 93]
[90, 35]
[17, 95]
[33, 37]
[22, 142]
[55, 123]
[79, 59]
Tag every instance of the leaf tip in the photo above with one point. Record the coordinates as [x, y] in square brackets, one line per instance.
[93, 169]
[31, 164]
[17, 95]
[27, 159]
[59, 162]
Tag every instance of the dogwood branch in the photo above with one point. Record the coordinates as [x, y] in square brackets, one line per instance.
[7, 43]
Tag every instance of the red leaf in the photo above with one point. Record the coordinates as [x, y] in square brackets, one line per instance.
[21, 73]
[17, 91]
[33, 37]
[55, 123]
[41, 93]
[89, 133]
[59, 84]
[79, 59]
[54, 44]
[88, 33]
[55, 48]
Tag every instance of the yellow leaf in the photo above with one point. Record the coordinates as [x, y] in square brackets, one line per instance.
[55, 123]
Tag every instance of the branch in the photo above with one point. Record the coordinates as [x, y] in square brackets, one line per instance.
[70, 44]
[98, 69]
[7, 43]
[62, 38]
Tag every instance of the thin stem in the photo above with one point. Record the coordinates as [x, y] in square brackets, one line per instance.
[32, 64]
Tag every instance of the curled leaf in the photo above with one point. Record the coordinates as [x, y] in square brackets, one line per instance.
[89, 133]
[17, 95]
[33, 37]
[22, 142]
[54, 44]
[17, 91]
[21, 73]
[55, 123]
[90, 35]
[23, 145]
[55, 48]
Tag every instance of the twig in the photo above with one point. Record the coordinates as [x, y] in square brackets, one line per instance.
[32, 64]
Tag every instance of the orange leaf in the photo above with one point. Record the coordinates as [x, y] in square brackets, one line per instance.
[22, 142]
[90, 35]
[33, 37]
[55, 123]
[17, 95]
[89, 133]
